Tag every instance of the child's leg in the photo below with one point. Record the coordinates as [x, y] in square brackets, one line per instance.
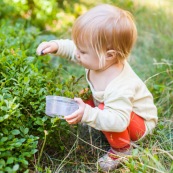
[90, 102]
[136, 127]
[118, 140]
[121, 140]
[115, 138]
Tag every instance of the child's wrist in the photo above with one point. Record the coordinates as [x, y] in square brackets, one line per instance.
[56, 47]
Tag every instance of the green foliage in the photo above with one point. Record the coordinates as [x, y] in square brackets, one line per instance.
[25, 80]
[17, 143]
[43, 13]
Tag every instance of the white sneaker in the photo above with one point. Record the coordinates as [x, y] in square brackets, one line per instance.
[112, 159]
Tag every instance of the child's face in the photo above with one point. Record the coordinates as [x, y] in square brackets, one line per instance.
[88, 58]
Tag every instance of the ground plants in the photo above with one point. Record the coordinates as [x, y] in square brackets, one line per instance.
[25, 80]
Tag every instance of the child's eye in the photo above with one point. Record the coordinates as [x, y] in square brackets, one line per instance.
[82, 52]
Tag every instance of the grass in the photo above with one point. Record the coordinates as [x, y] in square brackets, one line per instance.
[154, 154]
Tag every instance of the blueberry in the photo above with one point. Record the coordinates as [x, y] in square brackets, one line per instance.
[42, 52]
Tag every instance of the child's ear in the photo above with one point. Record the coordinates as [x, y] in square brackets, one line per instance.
[110, 55]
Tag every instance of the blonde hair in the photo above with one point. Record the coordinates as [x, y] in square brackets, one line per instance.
[104, 28]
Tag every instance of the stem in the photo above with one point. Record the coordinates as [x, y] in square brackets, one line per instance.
[41, 152]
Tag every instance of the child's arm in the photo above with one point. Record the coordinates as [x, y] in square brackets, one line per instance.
[63, 48]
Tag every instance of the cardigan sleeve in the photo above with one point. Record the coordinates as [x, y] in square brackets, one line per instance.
[116, 114]
[66, 49]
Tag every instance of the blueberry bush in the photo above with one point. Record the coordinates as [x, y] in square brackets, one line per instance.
[25, 80]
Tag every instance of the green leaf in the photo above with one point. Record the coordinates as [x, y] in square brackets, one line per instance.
[10, 160]
[3, 139]
[15, 132]
[26, 130]
[5, 131]
[1, 119]
[8, 169]
[2, 162]
[33, 151]
[6, 116]
[24, 161]
[27, 154]
[15, 167]
[39, 121]
[27, 171]
[26, 80]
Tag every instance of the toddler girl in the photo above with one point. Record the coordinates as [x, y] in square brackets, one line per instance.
[122, 106]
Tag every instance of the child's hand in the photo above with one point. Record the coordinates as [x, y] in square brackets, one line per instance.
[76, 117]
[47, 47]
